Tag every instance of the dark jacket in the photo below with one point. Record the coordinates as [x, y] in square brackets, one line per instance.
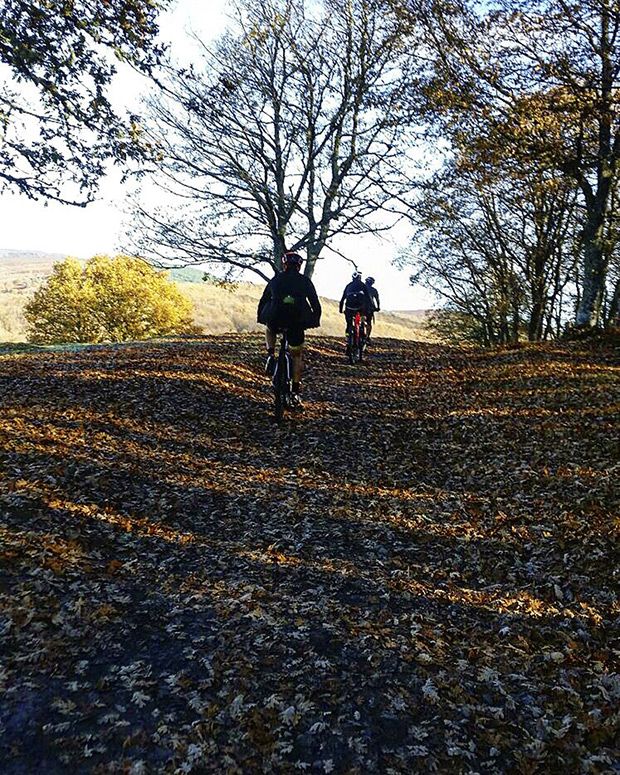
[374, 295]
[290, 299]
[356, 296]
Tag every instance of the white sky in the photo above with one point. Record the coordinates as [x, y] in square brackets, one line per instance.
[97, 228]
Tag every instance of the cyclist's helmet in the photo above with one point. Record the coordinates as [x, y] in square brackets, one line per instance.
[356, 275]
[291, 259]
[370, 281]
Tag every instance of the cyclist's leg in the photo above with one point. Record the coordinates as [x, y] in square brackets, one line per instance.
[270, 342]
[369, 318]
[296, 337]
[297, 364]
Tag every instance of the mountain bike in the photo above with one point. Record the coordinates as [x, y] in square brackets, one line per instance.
[356, 338]
[282, 378]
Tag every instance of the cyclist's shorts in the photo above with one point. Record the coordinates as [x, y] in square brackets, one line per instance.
[296, 336]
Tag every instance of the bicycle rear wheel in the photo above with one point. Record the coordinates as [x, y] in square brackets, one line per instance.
[361, 342]
[351, 347]
[355, 350]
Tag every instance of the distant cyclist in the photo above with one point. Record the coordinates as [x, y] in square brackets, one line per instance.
[355, 298]
[376, 306]
[289, 301]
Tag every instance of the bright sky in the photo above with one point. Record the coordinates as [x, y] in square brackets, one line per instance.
[97, 228]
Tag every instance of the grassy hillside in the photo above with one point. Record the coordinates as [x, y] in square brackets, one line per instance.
[217, 310]
[21, 273]
[417, 575]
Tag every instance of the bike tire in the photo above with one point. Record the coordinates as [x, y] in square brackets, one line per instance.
[351, 348]
[358, 339]
[280, 383]
[362, 339]
[279, 386]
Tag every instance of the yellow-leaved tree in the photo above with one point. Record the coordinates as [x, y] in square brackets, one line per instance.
[106, 300]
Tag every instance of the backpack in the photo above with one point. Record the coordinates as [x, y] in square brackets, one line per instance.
[356, 300]
[287, 310]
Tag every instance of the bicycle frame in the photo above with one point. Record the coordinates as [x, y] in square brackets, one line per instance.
[282, 378]
[356, 339]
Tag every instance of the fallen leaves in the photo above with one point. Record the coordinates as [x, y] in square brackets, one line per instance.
[418, 574]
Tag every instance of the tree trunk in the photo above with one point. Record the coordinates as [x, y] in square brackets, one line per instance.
[516, 319]
[535, 327]
[279, 249]
[594, 273]
[487, 334]
[312, 256]
[613, 318]
[558, 321]
[596, 260]
[310, 264]
[504, 327]
[538, 292]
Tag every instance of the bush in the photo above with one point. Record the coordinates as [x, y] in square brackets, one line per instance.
[106, 300]
[594, 335]
[455, 327]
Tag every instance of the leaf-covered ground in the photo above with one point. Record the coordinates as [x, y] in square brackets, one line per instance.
[420, 574]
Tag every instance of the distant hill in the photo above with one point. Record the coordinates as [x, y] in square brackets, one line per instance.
[25, 270]
[415, 315]
[187, 274]
[217, 310]
[9, 253]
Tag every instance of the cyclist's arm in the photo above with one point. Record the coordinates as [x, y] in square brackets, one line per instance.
[314, 302]
[263, 300]
[344, 296]
[377, 300]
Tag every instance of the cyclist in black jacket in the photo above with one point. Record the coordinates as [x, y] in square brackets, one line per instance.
[376, 306]
[355, 298]
[289, 301]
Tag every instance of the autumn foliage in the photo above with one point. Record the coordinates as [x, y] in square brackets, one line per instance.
[106, 300]
[416, 575]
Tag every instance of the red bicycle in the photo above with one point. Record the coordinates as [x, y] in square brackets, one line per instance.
[356, 339]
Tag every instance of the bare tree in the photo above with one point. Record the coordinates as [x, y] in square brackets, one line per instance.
[290, 131]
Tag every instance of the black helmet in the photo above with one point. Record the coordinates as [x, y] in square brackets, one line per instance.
[370, 281]
[289, 259]
[356, 275]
